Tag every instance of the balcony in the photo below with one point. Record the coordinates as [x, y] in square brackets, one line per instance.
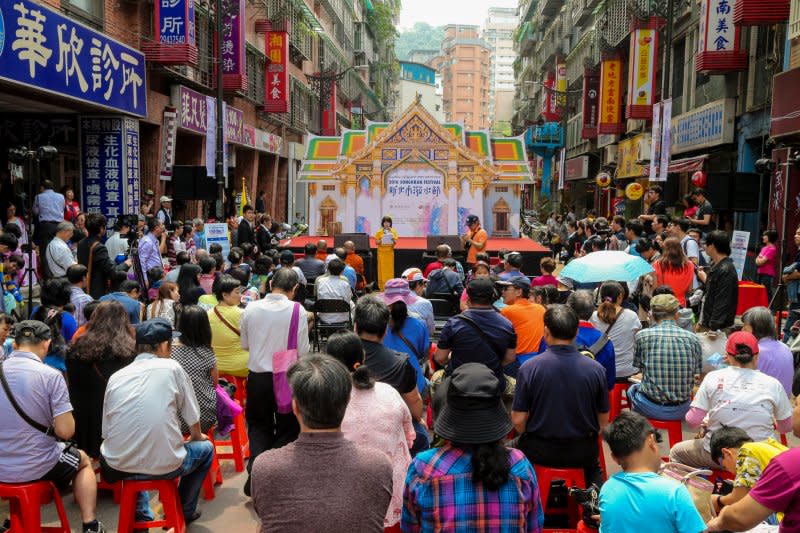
[301, 23]
[580, 12]
[583, 54]
[547, 9]
[613, 24]
[363, 45]
[526, 10]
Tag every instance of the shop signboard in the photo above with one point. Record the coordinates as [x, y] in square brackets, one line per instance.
[627, 155]
[174, 21]
[642, 73]
[611, 96]
[739, 240]
[577, 168]
[42, 48]
[718, 40]
[109, 149]
[709, 125]
[234, 77]
[591, 104]
[276, 78]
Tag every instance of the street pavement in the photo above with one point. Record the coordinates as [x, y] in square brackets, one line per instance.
[230, 511]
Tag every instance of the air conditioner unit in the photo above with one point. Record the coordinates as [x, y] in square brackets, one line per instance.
[610, 155]
[308, 68]
[643, 148]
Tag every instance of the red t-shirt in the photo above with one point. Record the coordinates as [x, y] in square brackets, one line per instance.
[431, 267]
[680, 280]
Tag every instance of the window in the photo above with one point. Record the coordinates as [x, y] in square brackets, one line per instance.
[255, 75]
[678, 66]
[762, 53]
[794, 20]
[90, 11]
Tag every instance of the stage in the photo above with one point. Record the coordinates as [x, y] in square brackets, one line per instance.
[413, 252]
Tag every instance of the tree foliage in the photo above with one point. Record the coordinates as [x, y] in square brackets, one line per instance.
[421, 36]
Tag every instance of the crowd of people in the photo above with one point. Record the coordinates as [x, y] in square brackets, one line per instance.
[377, 413]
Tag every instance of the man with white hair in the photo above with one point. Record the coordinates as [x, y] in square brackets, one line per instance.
[58, 256]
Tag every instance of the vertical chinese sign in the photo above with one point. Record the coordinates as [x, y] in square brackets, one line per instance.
[234, 75]
[561, 87]
[174, 30]
[109, 165]
[610, 96]
[548, 110]
[591, 104]
[48, 51]
[718, 41]
[642, 71]
[276, 90]
[329, 112]
[169, 131]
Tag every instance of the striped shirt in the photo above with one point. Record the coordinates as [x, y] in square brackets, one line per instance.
[78, 298]
[669, 357]
[439, 495]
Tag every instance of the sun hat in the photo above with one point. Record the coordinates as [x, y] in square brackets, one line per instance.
[413, 274]
[741, 337]
[164, 199]
[397, 289]
[473, 411]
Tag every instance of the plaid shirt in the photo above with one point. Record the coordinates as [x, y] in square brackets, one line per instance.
[669, 357]
[439, 495]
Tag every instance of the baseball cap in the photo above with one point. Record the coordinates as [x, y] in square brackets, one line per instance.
[33, 330]
[413, 274]
[481, 288]
[664, 303]
[471, 219]
[149, 192]
[520, 282]
[155, 331]
[741, 337]
[165, 199]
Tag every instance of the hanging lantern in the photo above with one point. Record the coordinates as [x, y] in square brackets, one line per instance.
[699, 179]
[634, 191]
[603, 179]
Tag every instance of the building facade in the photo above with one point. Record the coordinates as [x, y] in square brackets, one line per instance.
[498, 33]
[419, 80]
[591, 78]
[126, 94]
[464, 65]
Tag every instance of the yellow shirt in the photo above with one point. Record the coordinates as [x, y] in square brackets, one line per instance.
[231, 357]
[753, 458]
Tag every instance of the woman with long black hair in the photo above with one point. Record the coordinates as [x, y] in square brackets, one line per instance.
[189, 284]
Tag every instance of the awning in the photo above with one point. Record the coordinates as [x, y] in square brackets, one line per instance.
[689, 164]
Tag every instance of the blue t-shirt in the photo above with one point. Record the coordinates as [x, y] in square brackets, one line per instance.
[415, 331]
[587, 336]
[350, 274]
[647, 501]
[132, 307]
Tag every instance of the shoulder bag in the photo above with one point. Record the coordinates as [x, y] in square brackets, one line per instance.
[50, 431]
[226, 323]
[482, 334]
[281, 361]
[403, 338]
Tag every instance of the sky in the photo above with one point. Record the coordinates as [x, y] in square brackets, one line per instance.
[440, 12]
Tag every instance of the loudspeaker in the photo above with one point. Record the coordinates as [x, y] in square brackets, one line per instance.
[453, 241]
[191, 183]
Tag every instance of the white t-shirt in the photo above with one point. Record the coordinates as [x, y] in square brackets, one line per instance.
[743, 398]
[622, 337]
[691, 249]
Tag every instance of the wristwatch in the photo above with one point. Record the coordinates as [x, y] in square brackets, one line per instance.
[719, 501]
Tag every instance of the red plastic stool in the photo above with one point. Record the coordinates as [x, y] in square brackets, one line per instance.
[618, 402]
[237, 441]
[583, 528]
[673, 429]
[214, 476]
[102, 484]
[241, 387]
[170, 500]
[545, 475]
[25, 502]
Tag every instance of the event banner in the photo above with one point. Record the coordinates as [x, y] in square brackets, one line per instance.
[109, 165]
[169, 130]
[666, 138]
[234, 76]
[591, 104]
[611, 96]
[548, 110]
[42, 48]
[217, 232]
[416, 200]
[276, 80]
[642, 73]
[655, 145]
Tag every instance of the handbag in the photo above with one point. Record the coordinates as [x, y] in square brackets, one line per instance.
[281, 361]
[700, 489]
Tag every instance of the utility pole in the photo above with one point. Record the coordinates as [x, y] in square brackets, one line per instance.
[666, 90]
[220, 152]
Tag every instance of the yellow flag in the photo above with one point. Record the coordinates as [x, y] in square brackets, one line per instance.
[244, 198]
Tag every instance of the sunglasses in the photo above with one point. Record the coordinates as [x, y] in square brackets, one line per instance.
[657, 436]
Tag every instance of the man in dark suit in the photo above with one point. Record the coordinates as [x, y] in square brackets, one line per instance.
[101, 265]
[247, 227]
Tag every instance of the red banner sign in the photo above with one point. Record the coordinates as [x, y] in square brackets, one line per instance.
[549, 100]
[276, 81]
[591, 104]
[611, 96]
